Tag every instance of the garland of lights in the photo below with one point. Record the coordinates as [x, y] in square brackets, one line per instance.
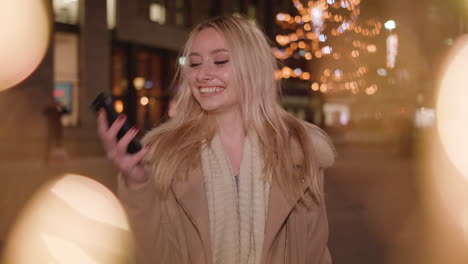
[309, 40]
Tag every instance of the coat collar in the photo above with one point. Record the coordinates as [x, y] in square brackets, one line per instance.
[190, 194]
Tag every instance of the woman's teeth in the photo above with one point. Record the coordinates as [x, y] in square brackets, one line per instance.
[211, 89]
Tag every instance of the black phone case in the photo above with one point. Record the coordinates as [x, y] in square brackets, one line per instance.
[103, 100]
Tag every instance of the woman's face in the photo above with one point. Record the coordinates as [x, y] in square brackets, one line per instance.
[210, 72]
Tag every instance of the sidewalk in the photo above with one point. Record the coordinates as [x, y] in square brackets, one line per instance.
[373, 205]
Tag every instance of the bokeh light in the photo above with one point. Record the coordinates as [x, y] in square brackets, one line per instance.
[445, 192]
[452, 108]
[144, 100]
[73, 219]
[118, 106]
[24, 38]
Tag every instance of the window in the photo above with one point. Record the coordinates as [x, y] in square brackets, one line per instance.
[111, 14]
[66, 77]
[157, 11]
[66, 11]
[179, 13]
[172, 12]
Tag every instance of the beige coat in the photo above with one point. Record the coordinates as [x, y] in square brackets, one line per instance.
[176, 230]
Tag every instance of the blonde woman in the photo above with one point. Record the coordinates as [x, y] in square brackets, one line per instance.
[231, 177]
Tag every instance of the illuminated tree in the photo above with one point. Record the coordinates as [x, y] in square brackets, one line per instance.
[335, 43]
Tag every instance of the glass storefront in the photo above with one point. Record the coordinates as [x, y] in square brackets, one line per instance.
[141, 79]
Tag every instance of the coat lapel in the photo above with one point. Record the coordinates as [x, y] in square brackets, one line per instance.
[190, 194]
[279, 208]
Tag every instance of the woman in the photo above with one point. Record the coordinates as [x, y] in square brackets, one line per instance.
[231, 177]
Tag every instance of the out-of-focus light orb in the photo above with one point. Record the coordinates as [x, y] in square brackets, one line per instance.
[71, 220]
[118, 106]
[390, 25]
[382, 72]
[452, 108]
[24, 38]
[144, 100]
[139, 82]
[182, 60]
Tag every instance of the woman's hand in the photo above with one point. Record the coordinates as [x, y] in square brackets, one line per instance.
[129, 164]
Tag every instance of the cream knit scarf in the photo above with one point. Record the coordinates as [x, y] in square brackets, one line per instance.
[237, 217]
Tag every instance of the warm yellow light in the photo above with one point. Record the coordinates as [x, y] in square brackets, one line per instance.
[144, 100]
[300, 33]
[308, 56]
[118, 106]
[293, 46]
[323, 88]
[318, 54]
[315, 86]
[73, 219]
[327, 72]
[287, 72]
[371, 90]
[278, 75]
[138, 83]
[24, 39]
[305, 75]
[293, 37]
[301, 44]
[279, 39]
[372, 48]
[297, 19]
[452, 109]
[307, 27]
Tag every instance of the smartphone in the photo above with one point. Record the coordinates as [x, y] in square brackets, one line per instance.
[104, 100]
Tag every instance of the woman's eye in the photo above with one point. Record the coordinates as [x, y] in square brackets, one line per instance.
[221, 62]
[194, 64]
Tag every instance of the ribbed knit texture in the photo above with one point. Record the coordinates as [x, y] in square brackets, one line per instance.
[237, 219]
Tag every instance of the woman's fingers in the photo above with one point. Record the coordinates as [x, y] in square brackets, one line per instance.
[136, 158]
[102, 123]
[116, 126]
[132, 166]
[122, 145]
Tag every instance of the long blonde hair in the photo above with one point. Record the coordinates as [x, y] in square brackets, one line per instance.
[178, 142]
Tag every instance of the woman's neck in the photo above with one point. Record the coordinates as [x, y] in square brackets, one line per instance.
[230, 125]
[232, 134]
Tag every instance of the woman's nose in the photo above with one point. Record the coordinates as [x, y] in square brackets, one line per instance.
[205, 72]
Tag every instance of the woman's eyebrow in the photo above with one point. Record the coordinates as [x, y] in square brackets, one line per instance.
[212, 52]
[219, 50]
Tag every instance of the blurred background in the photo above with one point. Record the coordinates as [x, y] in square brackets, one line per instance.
[368, 72]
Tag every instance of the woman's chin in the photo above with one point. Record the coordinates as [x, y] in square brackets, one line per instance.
[210, 108]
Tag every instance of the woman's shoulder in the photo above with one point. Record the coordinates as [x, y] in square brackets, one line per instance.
[322, 145]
